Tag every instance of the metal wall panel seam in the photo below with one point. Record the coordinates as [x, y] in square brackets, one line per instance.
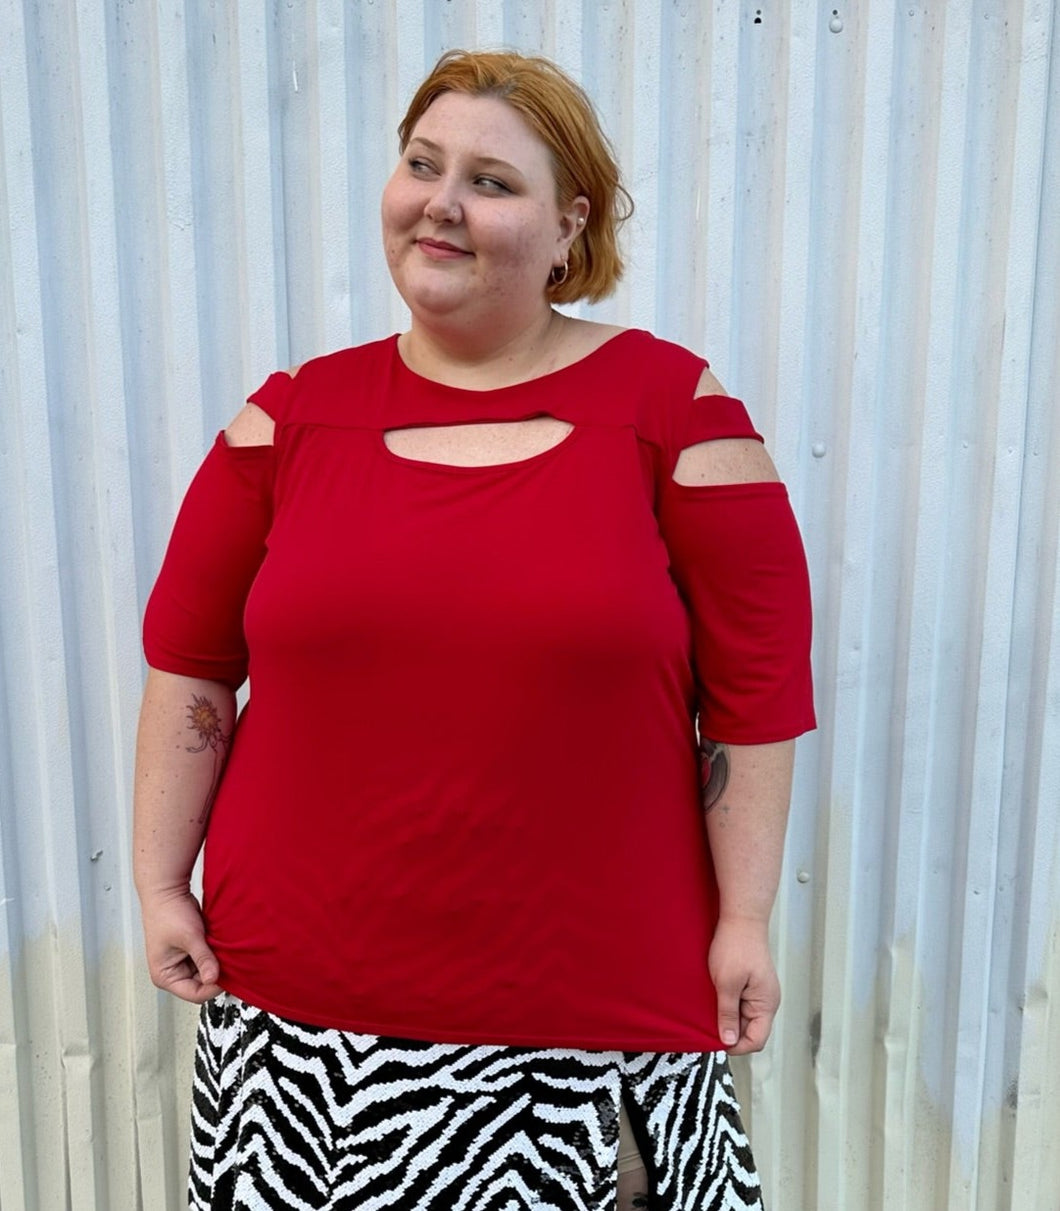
[338, 222]
[758, 202]
[795, 1046]
[108, 681]
[530, 25]
[267, 347]
[174, 408]
[902, 372]
[490, 21]
[1035, 972]
[144, 288]
[872, 557]
[296, 75]
[57, 116]
[920, 737]
[969, 570]
[217, 202]
[75, 409]
[794, 409]
[716, 208]
[372, 122]
[1012, 523]
[594, 44]
[21, 723]
[411, 55]
[835, 204]
[637, 51]
[676, 256]
[169, 414]
[757, 185]
[446, 26]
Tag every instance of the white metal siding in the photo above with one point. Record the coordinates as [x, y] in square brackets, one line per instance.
[854, 210]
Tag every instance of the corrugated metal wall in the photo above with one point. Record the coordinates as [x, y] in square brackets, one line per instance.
[854, 210]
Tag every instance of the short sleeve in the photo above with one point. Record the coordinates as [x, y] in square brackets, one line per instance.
[713, 417]
[737, 559]
[193, 624]
[274, 395]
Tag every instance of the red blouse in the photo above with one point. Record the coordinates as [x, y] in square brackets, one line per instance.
[462, 803]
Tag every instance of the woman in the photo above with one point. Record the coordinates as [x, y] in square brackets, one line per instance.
[458, 893]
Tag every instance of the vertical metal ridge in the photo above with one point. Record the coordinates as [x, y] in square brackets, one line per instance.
[21, 722]
[1033, 1047]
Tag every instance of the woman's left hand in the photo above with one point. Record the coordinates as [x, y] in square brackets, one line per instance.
[746, 982]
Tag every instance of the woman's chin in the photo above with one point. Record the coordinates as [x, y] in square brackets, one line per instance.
[436, 302]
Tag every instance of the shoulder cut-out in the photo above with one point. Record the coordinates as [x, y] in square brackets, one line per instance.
[708, 385]
[252, 426]
[728, 460]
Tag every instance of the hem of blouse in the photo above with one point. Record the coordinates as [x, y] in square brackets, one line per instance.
[477, 1038]
[787, 732]
[163, 664]
[243, 450]
[750, 487]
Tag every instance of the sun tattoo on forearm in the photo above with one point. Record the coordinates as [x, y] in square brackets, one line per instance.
[204, 720]
[713, 771]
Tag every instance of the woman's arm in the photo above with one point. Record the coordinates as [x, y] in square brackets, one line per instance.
[746, 800]
[747, 572]
[185, 732]
[194, 621]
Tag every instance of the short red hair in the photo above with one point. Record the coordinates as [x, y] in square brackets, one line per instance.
[561, 114]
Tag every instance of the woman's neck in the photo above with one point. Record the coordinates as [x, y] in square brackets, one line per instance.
[484, 360]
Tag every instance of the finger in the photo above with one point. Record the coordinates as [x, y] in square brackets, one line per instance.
[206, 964]
[182, 978]
[754, 1035]
[728, 1015]
[192, 989]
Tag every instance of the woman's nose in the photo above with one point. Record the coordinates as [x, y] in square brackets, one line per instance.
[443, 206]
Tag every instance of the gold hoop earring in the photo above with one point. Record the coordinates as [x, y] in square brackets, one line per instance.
[558, 281]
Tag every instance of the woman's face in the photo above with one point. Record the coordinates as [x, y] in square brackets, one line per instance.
[471, 224]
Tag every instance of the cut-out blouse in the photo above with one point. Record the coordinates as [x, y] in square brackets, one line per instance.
[462, 802]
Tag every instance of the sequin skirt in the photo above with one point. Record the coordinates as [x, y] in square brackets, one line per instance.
[306, 1118]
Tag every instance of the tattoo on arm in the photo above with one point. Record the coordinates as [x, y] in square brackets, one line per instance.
[713, 771]
[204, 720]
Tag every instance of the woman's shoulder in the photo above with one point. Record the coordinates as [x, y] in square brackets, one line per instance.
[330, 367]
[654, 353]
[639, 361]
[585, 337]
[676, 400]
[287, 394]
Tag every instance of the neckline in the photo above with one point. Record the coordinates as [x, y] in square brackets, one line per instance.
[434, 384]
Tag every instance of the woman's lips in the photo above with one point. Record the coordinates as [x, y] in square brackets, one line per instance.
[438, 250]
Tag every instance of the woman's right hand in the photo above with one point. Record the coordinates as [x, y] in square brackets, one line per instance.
[178, 957]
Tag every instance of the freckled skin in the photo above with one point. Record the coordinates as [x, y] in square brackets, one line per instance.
[506, 217]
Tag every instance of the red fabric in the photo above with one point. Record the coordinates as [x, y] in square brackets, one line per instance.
[462, 803]
[194, 619]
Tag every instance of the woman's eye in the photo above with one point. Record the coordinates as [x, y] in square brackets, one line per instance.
[493, 184]
[419, 166]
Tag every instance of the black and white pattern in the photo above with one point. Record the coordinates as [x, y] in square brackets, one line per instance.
[305, 1118]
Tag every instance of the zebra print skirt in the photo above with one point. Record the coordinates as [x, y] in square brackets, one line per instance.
[306, 1118]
